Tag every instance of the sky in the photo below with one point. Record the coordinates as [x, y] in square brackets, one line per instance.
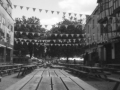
[72, 6]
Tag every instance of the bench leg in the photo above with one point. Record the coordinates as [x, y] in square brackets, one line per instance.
[116, 86]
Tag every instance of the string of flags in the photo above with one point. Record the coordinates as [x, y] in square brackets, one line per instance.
[65, 25]
[52, 41]
[40, 10]
[44, 42]
[58, 12]
[56, 35]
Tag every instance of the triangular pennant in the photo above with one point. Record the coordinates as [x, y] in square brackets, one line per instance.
[27, 43]
[21, 32]
[78, 35]
[66, 26]
[22, 43]
[46, 11]
[75, 14]
[58, 12]
[38, 34]
[27, 8]
[40, 10]
[35, 40]
[56, 35]
[30, 40]
[64, 13]
[80, 15]
[21, 7]
[34, 9]
[66, 35]
[46, 26]
[25, 40]
[33, 33]
[52, 12]
[27, 33]
[61, 35]
[69, 14]
[15, 6]
[79, 39]
[72, 35]
[54, 40]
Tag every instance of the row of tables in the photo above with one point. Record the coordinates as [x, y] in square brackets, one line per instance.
[8, 69]
[50, 79]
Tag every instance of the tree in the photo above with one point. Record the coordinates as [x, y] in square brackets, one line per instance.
[66, 27]
[31, 25]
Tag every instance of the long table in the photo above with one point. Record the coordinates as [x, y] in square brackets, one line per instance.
[50, 79]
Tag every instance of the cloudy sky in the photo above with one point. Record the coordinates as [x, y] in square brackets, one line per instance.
[73, 6]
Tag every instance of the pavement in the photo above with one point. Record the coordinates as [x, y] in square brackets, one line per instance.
[8, 80]
[100, 84]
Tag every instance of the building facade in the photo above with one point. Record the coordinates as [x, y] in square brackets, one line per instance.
[103, 31]
[109, 19]
[93, 37]
[6, 31]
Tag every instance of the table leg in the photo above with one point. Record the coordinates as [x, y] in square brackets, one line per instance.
[116, 86]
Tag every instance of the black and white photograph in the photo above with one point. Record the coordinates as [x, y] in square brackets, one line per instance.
[59, 44]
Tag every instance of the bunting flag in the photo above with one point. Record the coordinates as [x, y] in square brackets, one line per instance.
[69, 14]
[33, 34]
[72, 35]
[40, 10]
[21, 32]
[56, 35]
[15, 6]
[75, 14]
[27, 33]
[21, 7]
[46, 11]
[64, 13]
[34, 9]
[46, 26]
[27, 8]
[66, 26]
[58, 12]
[52, 12]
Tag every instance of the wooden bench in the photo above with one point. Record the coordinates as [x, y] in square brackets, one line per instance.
[37, 81]
[79, 72]
[82, 84]
[114, 80]
[22, 82]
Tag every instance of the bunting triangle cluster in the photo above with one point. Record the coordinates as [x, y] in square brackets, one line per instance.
[58, 42]
[56, 35]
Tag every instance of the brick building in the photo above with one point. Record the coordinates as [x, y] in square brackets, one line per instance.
[104, 26]
[6, 31]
